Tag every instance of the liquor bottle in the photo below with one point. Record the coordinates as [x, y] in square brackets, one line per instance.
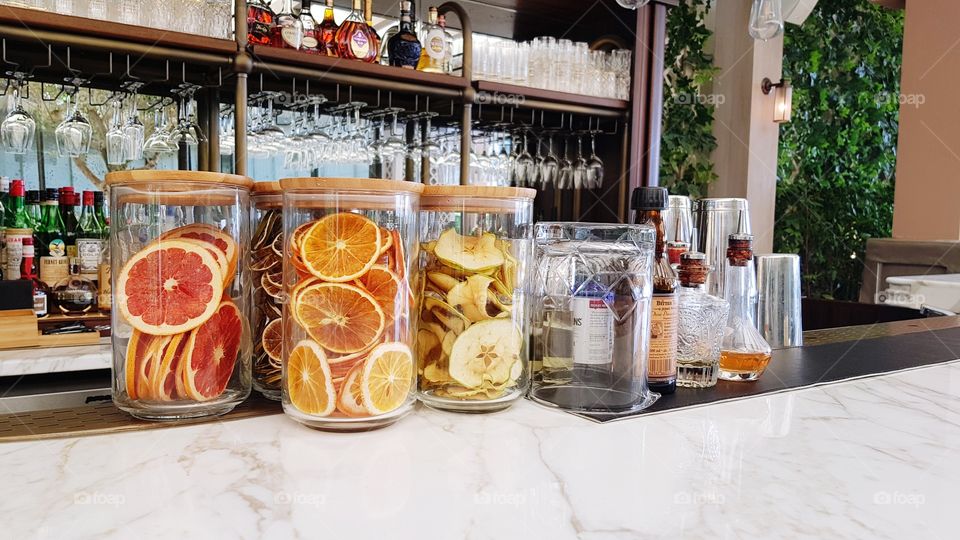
[89, 239]
[404, 48]
[68, 215]
[327, 32]
[368, 18]
[33, 208]
[104, 287]
[744, 354]
[27, 272]
[102, 218]
[355, 40]
[649, 202]
[4, 188]
[4, 197]
[702, 319]
[310, 43]
[260, 21]
[16, 213]
[448, 44]
[434, 45]
[287, 30]
[53, 249]
[75, 294]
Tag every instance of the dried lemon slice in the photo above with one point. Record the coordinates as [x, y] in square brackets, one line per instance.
[469, 253]
[486, 351]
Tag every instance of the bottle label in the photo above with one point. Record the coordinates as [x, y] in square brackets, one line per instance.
[72, 250]
[57, 248]
[435, 46]
[54, 269]
[3, 248]
[662, 359]
[292, 36]
[90, 253]
[40, 304]
[359, 44]
[592, 331]
[104, 301]
[14, 251]
[309, 42]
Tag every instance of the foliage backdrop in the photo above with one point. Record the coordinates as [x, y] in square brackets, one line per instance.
[837, 155]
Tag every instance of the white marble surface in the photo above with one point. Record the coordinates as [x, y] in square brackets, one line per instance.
[872, 458]
[15, 362]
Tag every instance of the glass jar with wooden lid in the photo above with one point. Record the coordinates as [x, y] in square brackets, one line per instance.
[266, 274]
[350, 247]
[472, 339]
[181, 340]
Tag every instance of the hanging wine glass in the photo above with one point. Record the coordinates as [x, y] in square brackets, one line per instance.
[161, 140]
[18, 127]
[74, 133]
[579, 166]
[550, 167]
[594, 165]
[766, 19]
[565, 175]
[633, 4]
[133, 130]
[523, 165]
[115, 138]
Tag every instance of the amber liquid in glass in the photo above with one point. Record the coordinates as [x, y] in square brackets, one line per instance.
[259, 23]
[745, 364]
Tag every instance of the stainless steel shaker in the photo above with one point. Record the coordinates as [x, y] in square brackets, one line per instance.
[679, 216]
[779, 316]
[715, 220]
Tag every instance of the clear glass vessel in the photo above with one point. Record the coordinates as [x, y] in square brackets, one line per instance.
[348, 320]
[266, 273]
[701, 324]
[181, 340]
[476, 243]
[592, 292]
[744, 354]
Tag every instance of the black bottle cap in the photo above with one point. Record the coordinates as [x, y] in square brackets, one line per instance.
[649, 198]
[52, 194]
[33, 196]
[97, 197]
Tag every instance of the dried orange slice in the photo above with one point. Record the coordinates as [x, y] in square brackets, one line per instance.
[216, 239]
[269, 286]
[387, 240]
[350, 396]
[341, 247]
[309, 384]
[141, 349]
[387, 377]
[169, 287]
[272, 339]
[384, 286]
[343, 319]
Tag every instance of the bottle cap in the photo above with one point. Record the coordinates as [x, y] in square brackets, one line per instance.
[33, 196]
[16, 188]
[693, 269]
[97, 197]
[51, 194]
[740, 249]
[649, 198]
[88, 198]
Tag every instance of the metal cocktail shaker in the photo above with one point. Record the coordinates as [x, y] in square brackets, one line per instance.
[679, 216]
[779, 316]
[715, 220]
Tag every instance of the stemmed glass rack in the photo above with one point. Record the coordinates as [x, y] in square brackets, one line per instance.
[223, 73]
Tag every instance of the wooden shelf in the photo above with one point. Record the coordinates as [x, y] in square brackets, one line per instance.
[375, 73]
[534, 95]
[72, 27]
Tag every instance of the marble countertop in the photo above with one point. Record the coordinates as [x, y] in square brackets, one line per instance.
[870, 458]
[15, 362]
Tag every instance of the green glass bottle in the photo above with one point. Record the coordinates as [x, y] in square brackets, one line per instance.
[54, 265]
[69, 217]
[100, 209]
[16, 212]
[33, 208]
[89, 239]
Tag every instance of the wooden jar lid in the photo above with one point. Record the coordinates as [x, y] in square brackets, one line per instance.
[351, 184]
[147, 176]
[266, 188]
[474, 198]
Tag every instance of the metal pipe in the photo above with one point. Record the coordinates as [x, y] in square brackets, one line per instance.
[466, 138]
[467, 31]
[582, 110]
[213, 133]
[240, 126]
[203, 149]
[117, 46]
[356, 80]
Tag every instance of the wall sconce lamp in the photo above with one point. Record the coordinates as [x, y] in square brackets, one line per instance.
[782, 99]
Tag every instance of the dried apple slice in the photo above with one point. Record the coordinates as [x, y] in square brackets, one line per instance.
[469, 253]
[485, 351]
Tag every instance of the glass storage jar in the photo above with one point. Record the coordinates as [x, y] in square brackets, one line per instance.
[349, 250]
[266, 274]
[592, 292]
[181, 341]
[476, 242]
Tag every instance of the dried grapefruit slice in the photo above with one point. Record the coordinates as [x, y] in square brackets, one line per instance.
[213, 236]
[387, 377]
[211, 353]
[350, 397]
[342, 318]
[384, 286]
[141, 349]
[169, 287]
[341, 247]
[166, 385]
[272, 339]
[309, 383]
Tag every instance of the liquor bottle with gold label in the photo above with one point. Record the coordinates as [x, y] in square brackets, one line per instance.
[327, 32]
[649, 202]
[368, 18]
[355, 39]
[434, 45]
[744, 354]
